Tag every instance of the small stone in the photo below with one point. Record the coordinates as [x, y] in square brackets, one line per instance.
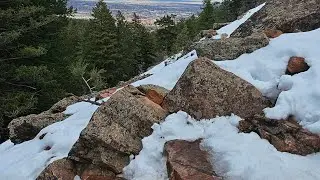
[297, 65]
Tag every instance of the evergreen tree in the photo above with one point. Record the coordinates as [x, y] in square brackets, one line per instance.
[206, 17]
[27, 42]
[183, 39]
[167, 33]
[102, 49]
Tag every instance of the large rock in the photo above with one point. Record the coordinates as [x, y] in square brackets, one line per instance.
[229, 48]
[66, 169]
[59, 170]
[207, 91]
[284, 15]
[285, 135]
[116, 129]
[186, 161]
[27, 127]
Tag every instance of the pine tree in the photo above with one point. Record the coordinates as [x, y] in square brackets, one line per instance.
[206, 17]
[183, 39]
[27, 41]
[102, 50]
[167, 33]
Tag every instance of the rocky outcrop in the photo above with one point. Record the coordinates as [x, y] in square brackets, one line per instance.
[206, 91]
[27, 127]
[284, 15]
[186, 161]
[296, 65]
[63, 104]
[116, 129]
[59, 170]
[284, 135]
[229, 48]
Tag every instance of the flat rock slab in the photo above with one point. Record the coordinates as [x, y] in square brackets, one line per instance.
[186, 161]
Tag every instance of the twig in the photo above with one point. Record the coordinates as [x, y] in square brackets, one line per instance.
[92, 102]
[87, 85]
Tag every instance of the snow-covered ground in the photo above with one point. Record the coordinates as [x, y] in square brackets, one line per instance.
[236, 156]
[167, 76]
[27, 160]
[265, 69]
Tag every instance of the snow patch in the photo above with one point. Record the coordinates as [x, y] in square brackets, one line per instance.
[297, 95]
[27, 160]
[167, 76]
[230, 28]
[234, 155]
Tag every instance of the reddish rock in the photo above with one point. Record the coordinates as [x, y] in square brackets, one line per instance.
[297, 65]
[272, 33]
[186, 161]
[154, 96]
[96, 173]
[284, 135]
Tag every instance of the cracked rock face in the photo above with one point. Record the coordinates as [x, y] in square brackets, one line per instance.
[205, 91]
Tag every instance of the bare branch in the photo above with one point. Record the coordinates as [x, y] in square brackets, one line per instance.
[87, 85]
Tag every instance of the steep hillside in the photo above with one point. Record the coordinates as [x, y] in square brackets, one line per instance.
[249, 110]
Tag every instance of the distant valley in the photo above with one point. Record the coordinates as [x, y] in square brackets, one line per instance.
[148, 12]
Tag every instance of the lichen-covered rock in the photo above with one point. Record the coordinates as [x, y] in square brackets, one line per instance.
[186, 161]
[63, 104]
[285, 135]
[229, 48]
[27, 127]
[206, 91]
[284, 15]
[63, 169]
[116, 129]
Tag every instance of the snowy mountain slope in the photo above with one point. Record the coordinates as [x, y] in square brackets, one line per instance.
[235, 155]
[27, 160]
